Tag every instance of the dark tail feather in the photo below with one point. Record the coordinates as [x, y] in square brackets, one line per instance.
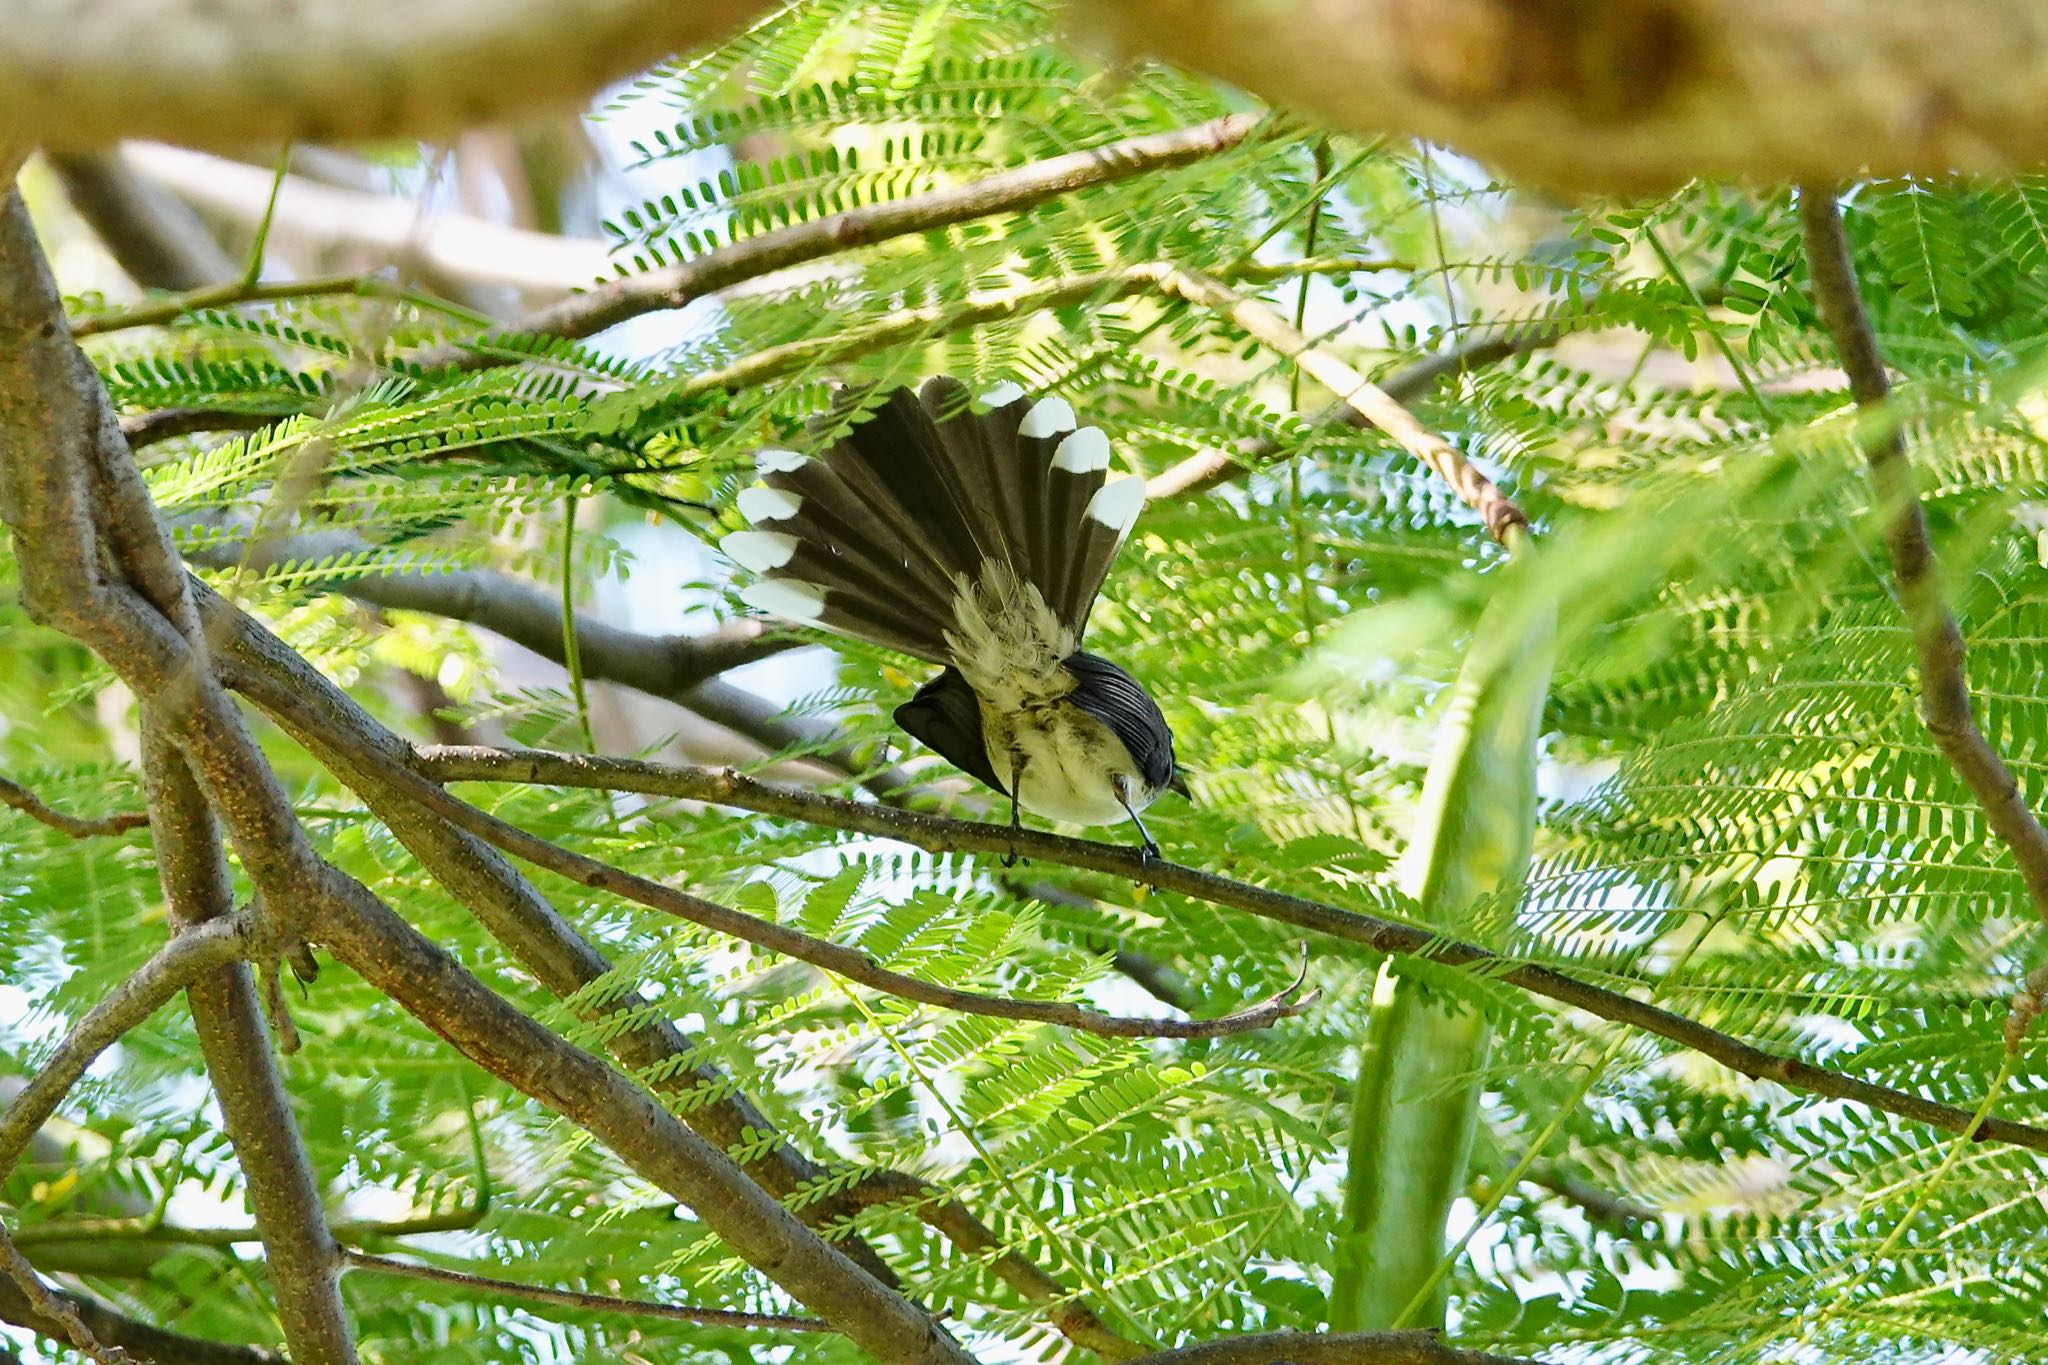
[870, 536]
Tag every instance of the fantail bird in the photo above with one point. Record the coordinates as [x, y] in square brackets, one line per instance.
[975, 536]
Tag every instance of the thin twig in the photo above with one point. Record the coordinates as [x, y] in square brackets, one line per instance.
[938, 834]
[50, 1304]
[1332, 1348]
[1945, 705]
[571, 1298]
[159, 311]
[77, 826]
[1007, 191]
[838, 959]
[1361, 394]
[148, 1228]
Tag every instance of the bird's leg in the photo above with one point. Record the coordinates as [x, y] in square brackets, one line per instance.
[1149, 849]
[1016, 804]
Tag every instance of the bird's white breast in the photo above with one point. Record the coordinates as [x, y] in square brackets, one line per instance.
[1070, 760]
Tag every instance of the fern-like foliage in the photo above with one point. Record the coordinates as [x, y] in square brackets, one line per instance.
[1743, 817]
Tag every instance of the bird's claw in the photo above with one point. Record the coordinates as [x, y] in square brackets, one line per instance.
[1149, 853]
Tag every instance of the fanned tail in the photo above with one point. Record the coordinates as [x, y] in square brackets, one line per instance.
[884, 535]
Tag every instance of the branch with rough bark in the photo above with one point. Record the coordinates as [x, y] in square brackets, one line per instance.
[140, 1340]
[1631, 96]
[939, 834]
[357, 748]
[227, 72]
[299, 1249]
[96, 562]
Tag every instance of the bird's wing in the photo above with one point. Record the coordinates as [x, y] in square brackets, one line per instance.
[946, 716]
[1112, 696]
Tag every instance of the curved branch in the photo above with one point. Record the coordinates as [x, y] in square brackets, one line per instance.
[823, 954]
[78, 827]
[229, 72]
[666, 666]
[1945, 707]
[141, 1340]
[176, 965]
[938, 834]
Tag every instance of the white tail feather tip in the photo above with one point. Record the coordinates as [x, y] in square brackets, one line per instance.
[768, 504]
[759, 550]
[1116, 505]
[788, 597]
[1048, 417]
[1002, 395]
[1086, 451]
[778, 461]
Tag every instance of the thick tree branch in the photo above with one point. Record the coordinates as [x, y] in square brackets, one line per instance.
[665, 666]
[176, 965]
[139, 1339]
[353, 745]
[433, 987]
[299, 1250]
[78, 827]
[159, 242]
[1629, 96]
[227, 72]
[96, 561]
[1335, 1348]
[1945, 706]
[452, 248]
[570, 1298]
[939, 834]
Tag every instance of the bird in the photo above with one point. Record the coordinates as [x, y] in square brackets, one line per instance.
[973, 532]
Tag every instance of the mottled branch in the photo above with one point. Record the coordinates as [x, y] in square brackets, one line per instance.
[225, 73]
[299, 1249]
[1633, 96]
